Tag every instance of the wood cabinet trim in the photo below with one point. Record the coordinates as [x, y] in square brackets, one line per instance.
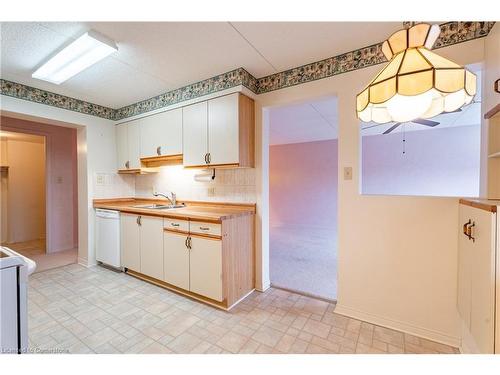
[162, 160]
[206, 236]
[480, 205]
[492, 112]
[174, 231]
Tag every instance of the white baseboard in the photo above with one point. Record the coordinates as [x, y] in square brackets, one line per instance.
[84, 262]
[263, 288]
[398, 325]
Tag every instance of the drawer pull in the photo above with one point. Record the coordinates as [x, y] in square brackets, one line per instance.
[174, 224]
[204, 228]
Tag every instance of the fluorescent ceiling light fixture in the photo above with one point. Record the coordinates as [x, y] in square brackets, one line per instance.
[85, 51]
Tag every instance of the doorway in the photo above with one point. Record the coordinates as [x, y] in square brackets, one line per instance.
[39, 192]
[303, 180]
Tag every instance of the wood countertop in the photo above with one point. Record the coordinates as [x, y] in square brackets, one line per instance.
[202, 211]
[483, 204]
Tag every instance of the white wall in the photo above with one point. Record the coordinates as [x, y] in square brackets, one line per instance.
[397, 255]
[96, 152]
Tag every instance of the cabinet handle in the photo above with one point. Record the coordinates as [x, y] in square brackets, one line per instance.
[189, 242]
[204, 228]
[158, 150]
[174, 224]
[139, 221]
[127, 164]
[469, 231]
[206, 158]
[209, 158]
[466, 227]
[186, 242]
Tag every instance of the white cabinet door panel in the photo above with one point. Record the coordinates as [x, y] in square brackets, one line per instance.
[121, 146]
[176, 259]
[482, 315]
[130, 242]
[161, 134]
[195, 134]
[151, 245]
[464, 266]
[134, 143]
[206, 267]
[223, 130]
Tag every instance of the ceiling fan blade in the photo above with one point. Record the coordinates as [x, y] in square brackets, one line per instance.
[456, 110]
[425, 122]
[371, 126]
[392, 128]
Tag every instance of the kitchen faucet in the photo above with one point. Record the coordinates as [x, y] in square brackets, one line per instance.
[172, 200]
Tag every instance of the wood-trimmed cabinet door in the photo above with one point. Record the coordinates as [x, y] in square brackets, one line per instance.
[161, 134]
[134, 143]
[195, 134]
[223, 130]
[205, 276]
[121, 132]
[151, 245]
[130, 242]
[176, 259]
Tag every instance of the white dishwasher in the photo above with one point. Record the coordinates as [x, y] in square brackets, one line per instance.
[108, 237]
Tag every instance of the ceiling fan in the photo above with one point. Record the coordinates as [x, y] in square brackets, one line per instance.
[419, 121]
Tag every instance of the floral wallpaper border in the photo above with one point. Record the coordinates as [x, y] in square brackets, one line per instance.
[451, 33]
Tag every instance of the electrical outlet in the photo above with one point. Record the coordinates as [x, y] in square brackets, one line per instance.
[100, 179]
[211, 191]
[347, 173]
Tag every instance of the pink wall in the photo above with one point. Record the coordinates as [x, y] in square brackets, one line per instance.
[303, 184]
[438, 162]
[61, 180]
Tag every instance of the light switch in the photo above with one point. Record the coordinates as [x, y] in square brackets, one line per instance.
[347, 173]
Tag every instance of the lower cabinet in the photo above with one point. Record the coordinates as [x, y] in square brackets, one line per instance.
[205, 261]
[209, 261]
[141, 241]
[130, 242]
[476, 278]
[151, 246]
[176, 259]
[194, 263]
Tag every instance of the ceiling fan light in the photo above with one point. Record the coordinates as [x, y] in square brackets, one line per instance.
[416, 82]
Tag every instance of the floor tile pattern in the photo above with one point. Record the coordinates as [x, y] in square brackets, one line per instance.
[94, 310]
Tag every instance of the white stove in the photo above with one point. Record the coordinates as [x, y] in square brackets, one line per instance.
[14, 271]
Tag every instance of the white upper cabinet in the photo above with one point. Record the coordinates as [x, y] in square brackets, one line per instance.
[161, 134]
[195, 134]
[122, 146]
[128, 145]
[223, 130]
[219, 132]
[134, 144]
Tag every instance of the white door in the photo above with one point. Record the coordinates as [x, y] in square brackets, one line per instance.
[205, 261]
[195, 133]
[130, 242]
[121, 146]
[223, 130]
[134, 143]
[482, 315]
[176, 259]
[151, 246]
[161, 134]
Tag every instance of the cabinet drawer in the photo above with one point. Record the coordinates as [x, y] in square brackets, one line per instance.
[205, 228]
[175, 224]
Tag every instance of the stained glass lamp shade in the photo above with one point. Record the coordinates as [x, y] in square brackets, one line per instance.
[417, 83]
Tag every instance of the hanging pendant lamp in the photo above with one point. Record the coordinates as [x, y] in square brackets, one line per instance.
[417, 83]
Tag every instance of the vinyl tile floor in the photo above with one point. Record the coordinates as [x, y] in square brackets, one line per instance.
[74, 309]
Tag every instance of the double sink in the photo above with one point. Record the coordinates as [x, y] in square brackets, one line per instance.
[157, 206]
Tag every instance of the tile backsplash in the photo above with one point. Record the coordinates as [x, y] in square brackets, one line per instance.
[229, 185]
